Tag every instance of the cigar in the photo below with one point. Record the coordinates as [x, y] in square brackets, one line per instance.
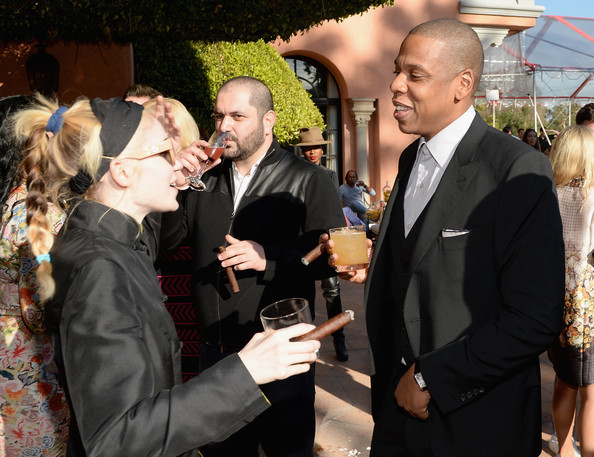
[328, 327]
[312, 255]
[230, 275]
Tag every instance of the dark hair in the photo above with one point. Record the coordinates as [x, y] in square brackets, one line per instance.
[260, 95]
[351, 171]
[586, 113]
[141, 90]
[9, 149]
[507, 129]
[525, 138]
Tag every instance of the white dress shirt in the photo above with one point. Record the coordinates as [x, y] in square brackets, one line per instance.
[433, 157]
[241, 183]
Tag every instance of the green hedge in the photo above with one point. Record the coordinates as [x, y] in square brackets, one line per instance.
[192, 72]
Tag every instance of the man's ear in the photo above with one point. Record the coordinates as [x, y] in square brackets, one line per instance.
[122, 172]
[269, 120]
[465, 81]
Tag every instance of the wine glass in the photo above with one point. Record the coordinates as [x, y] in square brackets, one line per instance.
[285, 313]
[214, 150]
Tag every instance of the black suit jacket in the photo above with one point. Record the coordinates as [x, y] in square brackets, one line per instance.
[478, 308]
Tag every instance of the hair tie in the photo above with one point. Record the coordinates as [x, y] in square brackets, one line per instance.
[42, 257]
[54, 124]
[80, 183]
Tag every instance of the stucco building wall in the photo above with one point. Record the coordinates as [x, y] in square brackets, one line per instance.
[89, 70]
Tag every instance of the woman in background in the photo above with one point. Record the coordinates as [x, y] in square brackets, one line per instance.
[572, 354]
[112, 163]
[33, 408]
[531, 137]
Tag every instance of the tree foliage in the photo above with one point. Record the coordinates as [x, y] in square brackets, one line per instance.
[131, 21]
[555, 117]
[193, 72]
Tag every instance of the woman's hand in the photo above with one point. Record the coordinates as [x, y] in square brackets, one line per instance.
[164, 113]
[272, 356]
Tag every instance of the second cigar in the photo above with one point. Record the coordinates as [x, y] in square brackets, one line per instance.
[328, 327]
[230, 275]
[312, 255]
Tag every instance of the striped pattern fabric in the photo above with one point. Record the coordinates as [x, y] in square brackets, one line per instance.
[175, 279]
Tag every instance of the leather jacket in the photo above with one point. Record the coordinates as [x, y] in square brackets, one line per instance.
[285, 208]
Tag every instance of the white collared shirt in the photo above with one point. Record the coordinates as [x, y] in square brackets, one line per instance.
[430, 166]
[241, 183]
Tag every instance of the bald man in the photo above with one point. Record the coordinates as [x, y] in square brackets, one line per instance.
[466, 285]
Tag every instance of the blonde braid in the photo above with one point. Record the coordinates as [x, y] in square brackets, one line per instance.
[48, 165]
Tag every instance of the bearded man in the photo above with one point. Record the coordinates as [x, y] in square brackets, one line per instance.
[268, 207]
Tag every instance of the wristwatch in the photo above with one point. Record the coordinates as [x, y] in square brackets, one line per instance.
[420, 381]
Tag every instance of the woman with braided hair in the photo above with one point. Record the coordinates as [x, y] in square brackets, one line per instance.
[111, 164]
[34, 413]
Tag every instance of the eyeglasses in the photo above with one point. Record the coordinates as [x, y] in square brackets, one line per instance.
[149, 151]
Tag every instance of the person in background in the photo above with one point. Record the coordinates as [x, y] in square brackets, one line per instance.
[34, 413]
[351, 194]
[312, 145]
[140, 93]
[572, 158]
[521, 133]
[531, 137]
[175, 266]
[545, 142]
[112, 163]
[267, 207]
[585, 116]
[507, 129]
[465, 287]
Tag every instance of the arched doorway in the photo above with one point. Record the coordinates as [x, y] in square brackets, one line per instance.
[319, 82]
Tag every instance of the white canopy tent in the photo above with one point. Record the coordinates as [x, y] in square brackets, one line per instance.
[553, 60]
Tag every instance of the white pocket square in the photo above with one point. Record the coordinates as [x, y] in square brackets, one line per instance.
[449, 233]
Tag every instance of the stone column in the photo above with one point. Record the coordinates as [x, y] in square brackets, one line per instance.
[362, 109]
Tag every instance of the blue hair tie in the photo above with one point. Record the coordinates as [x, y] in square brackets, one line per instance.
[42, 257]
[54, 124]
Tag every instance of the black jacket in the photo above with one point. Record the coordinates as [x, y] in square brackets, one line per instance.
[119, 352]
[287, 205]
[475, 309]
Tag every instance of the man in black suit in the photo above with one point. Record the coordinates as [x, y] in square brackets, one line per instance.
[466, 285]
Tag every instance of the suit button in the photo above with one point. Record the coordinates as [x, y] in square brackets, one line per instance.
[481, 390]
[462, 397]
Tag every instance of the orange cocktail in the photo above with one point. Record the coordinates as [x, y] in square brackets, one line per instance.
[350, 244]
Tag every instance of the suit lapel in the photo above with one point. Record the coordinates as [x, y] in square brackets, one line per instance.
[404, 168]
[456, 178]
[451, 188]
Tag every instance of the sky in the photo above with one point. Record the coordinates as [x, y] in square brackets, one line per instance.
[577, 8]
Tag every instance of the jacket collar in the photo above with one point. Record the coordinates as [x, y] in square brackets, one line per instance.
[267, 164]
[97, 218]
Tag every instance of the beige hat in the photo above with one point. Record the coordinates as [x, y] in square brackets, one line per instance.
[311, 136]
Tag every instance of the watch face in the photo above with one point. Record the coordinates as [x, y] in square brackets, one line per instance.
[420, 381]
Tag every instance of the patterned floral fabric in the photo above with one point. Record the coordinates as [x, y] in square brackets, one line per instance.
[34, 413]
[573, 353]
